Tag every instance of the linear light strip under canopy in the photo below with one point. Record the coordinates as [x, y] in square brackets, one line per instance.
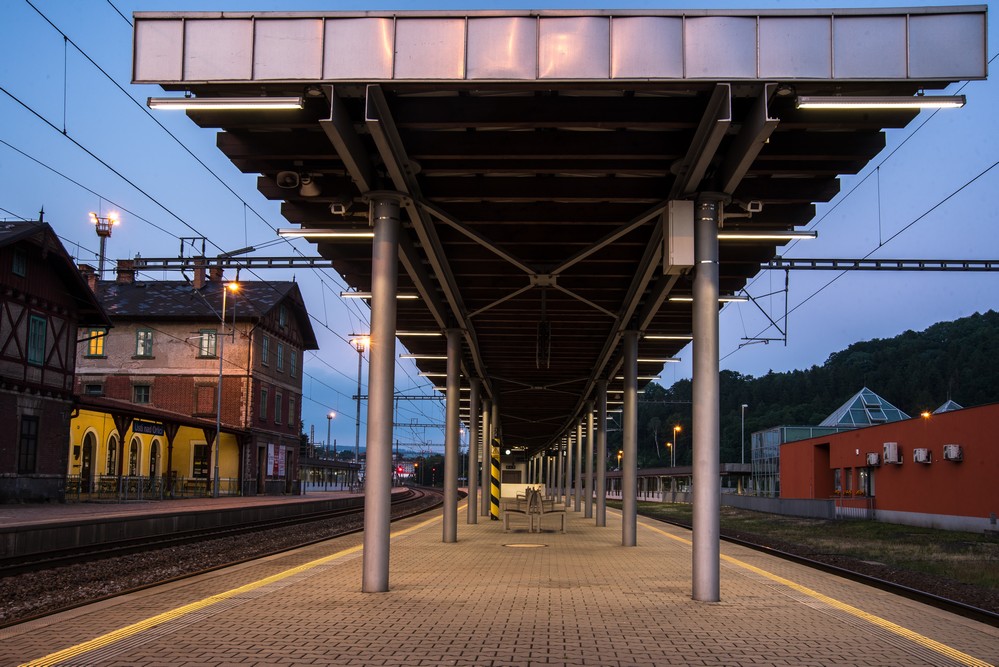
[225, 103]
[367, 295]
[763, 235]
[880, 102]
[721, 299]
[325, 234]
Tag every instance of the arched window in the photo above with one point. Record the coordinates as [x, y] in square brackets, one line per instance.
[154, 459]
[112, 467]
[133, 457]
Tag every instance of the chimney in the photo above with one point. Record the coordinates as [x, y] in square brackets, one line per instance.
[126, 272]
[199, 273]
[215, 273]
[89, 274]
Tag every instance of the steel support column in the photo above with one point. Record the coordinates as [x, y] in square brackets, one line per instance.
[629, 427]
[601, 515]
[452, 442]
[568, 471]
[578, 497]
[473, 452]
[487, 440]
[706, 429]
[590, 445]
[381, 382]
[559, 470]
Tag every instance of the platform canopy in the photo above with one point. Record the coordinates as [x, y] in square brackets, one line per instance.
[539, 151]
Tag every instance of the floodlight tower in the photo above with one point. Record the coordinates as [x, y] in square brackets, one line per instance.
[103, 227]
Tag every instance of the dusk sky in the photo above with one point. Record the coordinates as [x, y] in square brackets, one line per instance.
[75, 137]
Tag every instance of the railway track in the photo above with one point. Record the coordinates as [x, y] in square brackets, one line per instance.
[940, 602]
[52, 584]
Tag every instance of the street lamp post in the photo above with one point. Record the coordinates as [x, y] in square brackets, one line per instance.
[676, 430]
[220, 342]
[329, 423]
[742, 441]
[360, 344]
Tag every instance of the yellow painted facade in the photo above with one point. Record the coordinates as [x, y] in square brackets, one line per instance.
[95, 451]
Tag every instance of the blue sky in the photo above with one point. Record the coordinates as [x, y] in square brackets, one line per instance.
[934, 187]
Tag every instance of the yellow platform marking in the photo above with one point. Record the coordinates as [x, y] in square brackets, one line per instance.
[895, 628]
[173, 614]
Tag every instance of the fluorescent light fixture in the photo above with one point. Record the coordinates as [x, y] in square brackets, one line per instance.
[225, 103]
[325, 234]
[424, 374]
[666, 337]
[664, 360]
[763, 235]
[461, 388]
[418, 333]
[434, 357]
[880, 102]
[640, 377]
[367, 295]
[721, 299]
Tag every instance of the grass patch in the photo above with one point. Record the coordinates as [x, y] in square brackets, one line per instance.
[970, 558]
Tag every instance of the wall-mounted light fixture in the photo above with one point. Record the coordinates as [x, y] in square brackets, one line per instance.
[225, 103]
[880, 102]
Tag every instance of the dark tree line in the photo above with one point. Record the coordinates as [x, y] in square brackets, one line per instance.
[915, 371]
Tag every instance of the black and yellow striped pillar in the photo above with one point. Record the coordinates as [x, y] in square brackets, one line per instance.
[494, 480]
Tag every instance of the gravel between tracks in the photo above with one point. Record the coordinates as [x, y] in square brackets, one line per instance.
[35, 593]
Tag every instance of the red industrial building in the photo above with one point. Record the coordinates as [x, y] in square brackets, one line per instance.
[938, 470]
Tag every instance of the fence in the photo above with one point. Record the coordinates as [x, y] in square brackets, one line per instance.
[111, 488]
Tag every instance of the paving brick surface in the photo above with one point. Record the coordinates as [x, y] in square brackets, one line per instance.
[575, 599]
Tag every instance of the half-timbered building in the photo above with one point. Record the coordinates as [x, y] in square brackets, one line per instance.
[43, 303]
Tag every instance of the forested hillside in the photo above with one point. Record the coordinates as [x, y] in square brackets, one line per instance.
[915, 371]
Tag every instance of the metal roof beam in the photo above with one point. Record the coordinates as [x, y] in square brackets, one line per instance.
[378, 118]
[714, 124]
[753, 136]
[341, 133]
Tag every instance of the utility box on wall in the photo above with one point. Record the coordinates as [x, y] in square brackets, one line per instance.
[678, 237]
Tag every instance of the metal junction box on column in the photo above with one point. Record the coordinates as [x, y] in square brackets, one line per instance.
[678, 239]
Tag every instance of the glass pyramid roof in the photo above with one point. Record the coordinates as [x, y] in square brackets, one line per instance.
[865, 408]
[948, 406]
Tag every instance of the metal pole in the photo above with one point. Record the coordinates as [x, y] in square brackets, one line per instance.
[357, 423]
[451, 440]
[578, 497]
[568, 471]
[742, 439]
[559, 469]
[706, 410]
[486, 449]
[590, 446]
[629, 427]
[218, 393]
[381, 379]
[601, 517]
[473, 453]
